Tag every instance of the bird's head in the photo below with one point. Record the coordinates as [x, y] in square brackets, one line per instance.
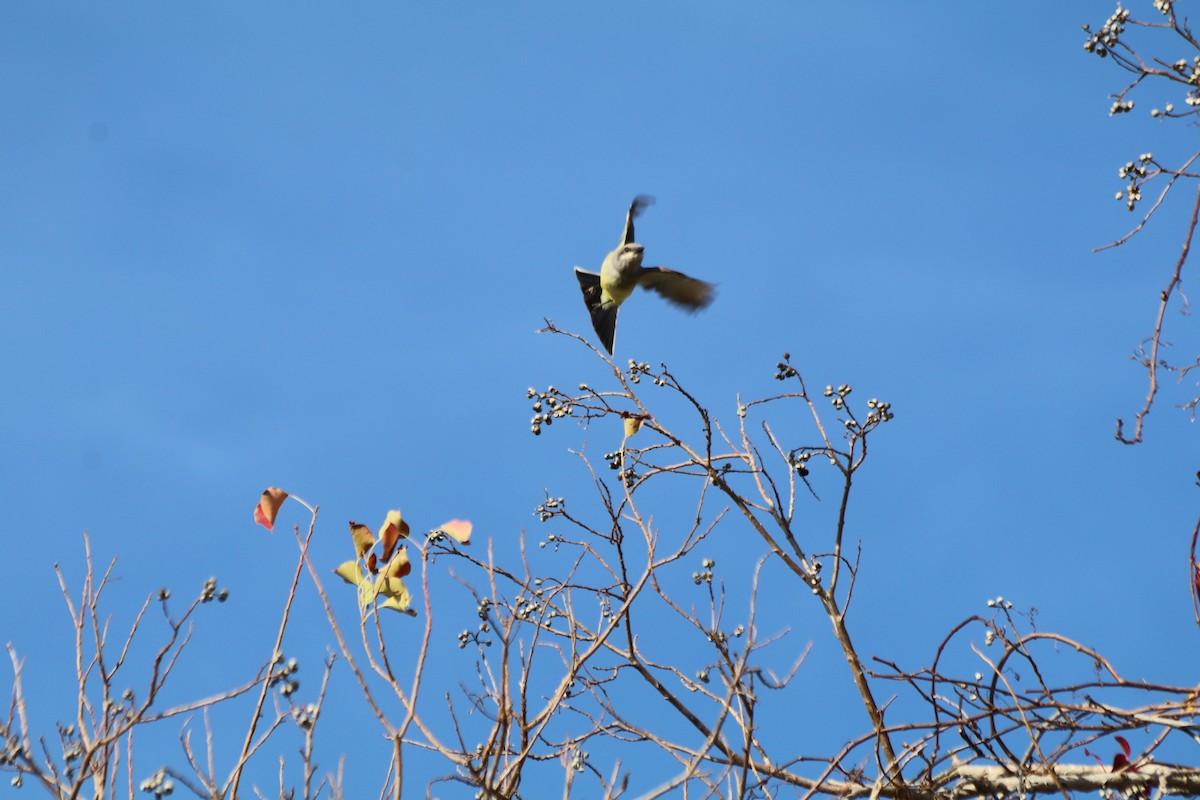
[630, 254]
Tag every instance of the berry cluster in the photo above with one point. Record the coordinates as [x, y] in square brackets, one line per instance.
[524, 607]
[483, 611]
[799, 462]
[210, 592]
[1135, 172]
[1104, 40]
[839, 402]
[306, 715]
[1191, 74]
[547, 406]
[636, 371]
[878, 411]
[784, 368]
[552, 507]
[159, 784]
[813, 579]
[284, 676]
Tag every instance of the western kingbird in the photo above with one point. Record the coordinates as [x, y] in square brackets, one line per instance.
[622, 271]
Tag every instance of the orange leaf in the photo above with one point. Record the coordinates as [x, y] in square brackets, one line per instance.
[364, 540]
[399, 566]
[268, 507]
[394, 529]
[458, 529]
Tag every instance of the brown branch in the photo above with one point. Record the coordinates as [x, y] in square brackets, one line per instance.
[276, 650]
[1152, 362]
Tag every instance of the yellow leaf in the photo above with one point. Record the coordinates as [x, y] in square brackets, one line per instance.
[400, 604]
[350, 572]
[390, 587]
[383, 585]
[393, 530]
[458, 529]
[364, 540]
[632, 426]
[366, 593]
[268, 506]
[396, 595]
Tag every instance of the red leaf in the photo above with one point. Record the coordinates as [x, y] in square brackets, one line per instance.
[268, 507]
[1121, 760]
[1124, 746]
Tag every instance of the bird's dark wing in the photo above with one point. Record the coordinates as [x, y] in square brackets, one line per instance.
[604, 315]
[635, 208]
[589, 284]
[683, 291]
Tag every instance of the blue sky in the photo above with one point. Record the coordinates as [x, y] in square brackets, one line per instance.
[310, 247]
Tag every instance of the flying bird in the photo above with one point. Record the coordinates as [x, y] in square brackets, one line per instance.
[622, 272]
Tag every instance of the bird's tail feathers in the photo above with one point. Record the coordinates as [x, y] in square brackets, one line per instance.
[604, 320]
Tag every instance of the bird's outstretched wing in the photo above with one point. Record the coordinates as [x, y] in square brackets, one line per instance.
[589, 284]
[635, 208]
[682, 290]
[604, 315]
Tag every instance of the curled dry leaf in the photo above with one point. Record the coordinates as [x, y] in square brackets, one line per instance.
[364, 540]
[458, 529]
[268, 506]
[385, 587]
[399, 566]
[393, 530]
